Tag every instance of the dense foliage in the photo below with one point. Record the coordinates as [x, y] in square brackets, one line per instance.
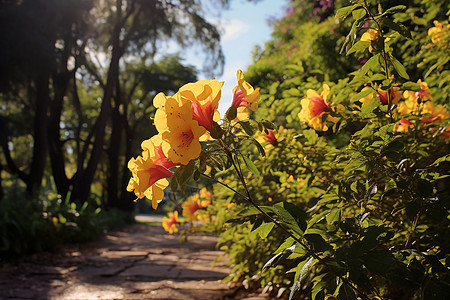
[77, 80]
[354, 189]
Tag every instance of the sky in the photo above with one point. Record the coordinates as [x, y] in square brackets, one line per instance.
[243, 26]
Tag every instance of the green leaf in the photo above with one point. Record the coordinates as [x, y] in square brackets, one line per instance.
[411, 86]
[395, 9]
[395, 146]
[424, 188]
[304, 268]
[216, 131]
[349, 37]
[311, 136]
[359, 46]
[345, 11]
[260, 148]
[280, 257]
[400, 28]
[369, 106]
[231, 113]
[379, 262]
[298, 225]
[346, 292]
[268, 124]
[371, 64]
[247, 127]
[358, 14]
[317, 242]
[251, 166]
[264, 229]
[334, 216]
[361, 94]
[399, 68]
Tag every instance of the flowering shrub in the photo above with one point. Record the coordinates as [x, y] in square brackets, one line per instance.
[351, 198]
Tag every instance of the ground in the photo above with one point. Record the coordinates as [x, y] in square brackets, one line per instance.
[137, 262]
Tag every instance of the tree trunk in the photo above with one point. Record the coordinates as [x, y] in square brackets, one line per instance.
[40, 133]
[84, 178]
[60, 83]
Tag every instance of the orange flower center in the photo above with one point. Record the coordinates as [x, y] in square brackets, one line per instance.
[383, 96]
[194, 207]
[162, 159]
[172, 221]
[420, 94]
[239, 98]
[156, 173]
[203, 115]
[186, 138]
[403, 121]
[318, 106]
[270, 137]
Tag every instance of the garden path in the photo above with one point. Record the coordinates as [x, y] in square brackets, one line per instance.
[137, 262]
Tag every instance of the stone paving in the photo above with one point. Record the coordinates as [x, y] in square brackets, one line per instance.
[138, 262]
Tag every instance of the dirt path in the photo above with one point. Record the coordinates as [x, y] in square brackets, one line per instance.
[138, 262]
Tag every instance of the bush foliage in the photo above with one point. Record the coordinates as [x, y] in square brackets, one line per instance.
[355, 202]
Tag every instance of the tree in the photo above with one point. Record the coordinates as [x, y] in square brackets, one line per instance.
[67, 70]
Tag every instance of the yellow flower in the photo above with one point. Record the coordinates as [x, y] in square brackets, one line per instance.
[432, 113]
[408, 106]
[204, 96]
[170, 223]
[436, 32]
[149, 172]
[314, 106]
[179, 131]
[244, 96]
[369, 36]
[402, 125]
[396, 95]
[423, 94]
[192, 205]
[436, 113]
[205, 194]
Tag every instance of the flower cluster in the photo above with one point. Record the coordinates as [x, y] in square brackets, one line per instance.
[439, 34]
[314, 107]
[420, 103]
[193, 207]
[183, 121]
